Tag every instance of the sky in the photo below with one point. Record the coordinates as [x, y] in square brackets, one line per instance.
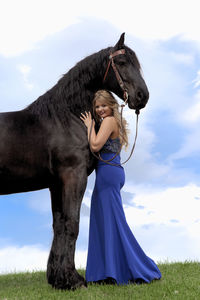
[41, 41]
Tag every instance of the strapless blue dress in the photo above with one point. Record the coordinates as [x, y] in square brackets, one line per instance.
[113, 251]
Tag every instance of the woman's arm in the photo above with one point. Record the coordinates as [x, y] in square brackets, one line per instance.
[106, 129]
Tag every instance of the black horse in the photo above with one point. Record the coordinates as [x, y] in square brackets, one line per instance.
[45, 146]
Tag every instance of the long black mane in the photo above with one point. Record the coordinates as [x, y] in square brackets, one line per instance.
[75, 90]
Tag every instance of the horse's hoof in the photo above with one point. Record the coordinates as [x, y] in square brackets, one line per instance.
[83, 287]
[70, 280]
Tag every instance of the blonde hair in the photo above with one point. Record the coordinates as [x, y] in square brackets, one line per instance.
[112, 103]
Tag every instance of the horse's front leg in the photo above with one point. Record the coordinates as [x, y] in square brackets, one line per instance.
[66, 198]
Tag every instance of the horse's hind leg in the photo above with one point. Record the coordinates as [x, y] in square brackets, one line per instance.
[66, 201]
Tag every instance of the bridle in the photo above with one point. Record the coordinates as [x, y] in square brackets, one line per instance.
[125, 97]
[118, 77]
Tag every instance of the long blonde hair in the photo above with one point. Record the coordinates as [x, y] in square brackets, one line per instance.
[112, 103]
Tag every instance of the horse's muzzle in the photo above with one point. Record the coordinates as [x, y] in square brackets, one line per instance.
[139, 101]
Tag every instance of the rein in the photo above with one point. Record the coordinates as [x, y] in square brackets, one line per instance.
[125, 97]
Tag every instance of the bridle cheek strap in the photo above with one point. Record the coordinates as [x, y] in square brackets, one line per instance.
[118, 77]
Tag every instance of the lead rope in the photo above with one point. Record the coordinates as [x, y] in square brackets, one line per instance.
[133, 147]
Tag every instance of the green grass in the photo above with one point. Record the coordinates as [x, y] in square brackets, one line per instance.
[179, 281]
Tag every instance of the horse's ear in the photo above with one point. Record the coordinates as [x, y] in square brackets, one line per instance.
[120, 43]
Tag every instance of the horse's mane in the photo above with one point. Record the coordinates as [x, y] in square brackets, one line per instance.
[132, 57]
[75, 90]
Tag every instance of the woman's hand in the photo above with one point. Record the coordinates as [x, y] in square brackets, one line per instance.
[87, 119]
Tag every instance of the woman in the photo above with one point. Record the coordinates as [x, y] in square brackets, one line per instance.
[114, 255]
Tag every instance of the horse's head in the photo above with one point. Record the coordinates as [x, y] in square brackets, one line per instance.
[128, 68]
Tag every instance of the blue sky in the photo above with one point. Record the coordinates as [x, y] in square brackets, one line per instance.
[162, 192]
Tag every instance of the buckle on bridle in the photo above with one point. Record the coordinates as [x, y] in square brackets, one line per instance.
[125, 96]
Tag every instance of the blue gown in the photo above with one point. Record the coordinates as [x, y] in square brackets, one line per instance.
[113, 251]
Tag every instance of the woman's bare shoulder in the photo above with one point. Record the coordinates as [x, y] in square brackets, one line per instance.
[109, 119]
[110, 122]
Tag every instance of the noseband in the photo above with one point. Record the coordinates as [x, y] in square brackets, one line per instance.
[118, 77]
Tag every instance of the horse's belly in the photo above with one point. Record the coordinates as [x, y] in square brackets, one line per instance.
[13, 182]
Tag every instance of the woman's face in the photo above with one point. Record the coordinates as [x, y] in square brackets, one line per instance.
[102, 109]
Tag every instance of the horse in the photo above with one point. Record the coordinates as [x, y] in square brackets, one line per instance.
[45, 145]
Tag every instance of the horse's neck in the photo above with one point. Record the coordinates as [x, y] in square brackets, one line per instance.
[75, 91]
[88, 75]
[95, 66]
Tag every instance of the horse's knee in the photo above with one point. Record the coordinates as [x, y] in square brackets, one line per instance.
[72, 228]
[66, 225]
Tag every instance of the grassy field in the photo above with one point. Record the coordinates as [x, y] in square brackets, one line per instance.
[179, 281]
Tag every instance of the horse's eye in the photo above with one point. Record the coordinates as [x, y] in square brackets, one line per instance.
[121, 63]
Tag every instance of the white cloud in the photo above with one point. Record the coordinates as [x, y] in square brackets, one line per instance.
[25, 71]
[80, 259]
[144, 165]
[40, 201]
[168, 227]
[31, 21]
[197, 80]
[193, 113]
[164, 205]
[31, 258]
[24, 23]
[167, 242]
[190, 120]
[22, 259]
[187, 59]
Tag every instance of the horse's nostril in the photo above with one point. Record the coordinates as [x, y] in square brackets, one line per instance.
[139, 95]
